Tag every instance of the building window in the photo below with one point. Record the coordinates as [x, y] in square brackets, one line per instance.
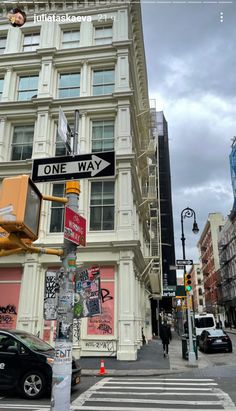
[31, 42]
[102, 135]
[22, 142]
[103, 35]
[3, 41]
[200, 301]
[28, 87]
[1, 87]
[103, 82]
[57, 210]
[102, 206]
[70, 39]
[69, 85]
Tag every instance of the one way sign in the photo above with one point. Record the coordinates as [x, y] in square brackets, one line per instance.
[74, 167]
[184, 262]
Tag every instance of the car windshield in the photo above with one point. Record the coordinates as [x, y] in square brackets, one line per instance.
[34, 343]
[204, 322]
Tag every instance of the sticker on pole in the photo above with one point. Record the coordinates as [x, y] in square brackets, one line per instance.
[75, 227]
[63, 352]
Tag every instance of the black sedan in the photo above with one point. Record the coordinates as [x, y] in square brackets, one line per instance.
[215, 340]
[26, 364]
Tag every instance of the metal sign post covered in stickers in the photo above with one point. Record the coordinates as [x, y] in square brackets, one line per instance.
[62, 366]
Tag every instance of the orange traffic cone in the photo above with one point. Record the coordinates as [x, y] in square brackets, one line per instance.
[102, 370]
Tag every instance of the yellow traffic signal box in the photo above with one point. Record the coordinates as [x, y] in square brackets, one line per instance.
[188, 282]
[20, 206]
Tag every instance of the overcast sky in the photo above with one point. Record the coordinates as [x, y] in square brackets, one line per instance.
[191, 63]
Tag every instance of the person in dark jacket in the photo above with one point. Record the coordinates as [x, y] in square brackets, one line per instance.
[165, 335]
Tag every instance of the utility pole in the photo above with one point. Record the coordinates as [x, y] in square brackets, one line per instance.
[62, 366]
[189, 212]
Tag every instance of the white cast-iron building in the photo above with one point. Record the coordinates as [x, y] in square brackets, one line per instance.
[96, 65]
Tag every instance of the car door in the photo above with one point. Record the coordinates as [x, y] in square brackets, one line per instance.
[8, 360]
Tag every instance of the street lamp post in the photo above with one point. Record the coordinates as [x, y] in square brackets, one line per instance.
[189, 213]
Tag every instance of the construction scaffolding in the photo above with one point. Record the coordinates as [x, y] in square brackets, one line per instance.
[151, 200]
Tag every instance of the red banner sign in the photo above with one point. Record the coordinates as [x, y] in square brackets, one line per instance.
[75, 227]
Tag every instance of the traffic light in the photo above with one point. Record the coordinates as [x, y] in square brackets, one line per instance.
[20, 206]
[187, 282]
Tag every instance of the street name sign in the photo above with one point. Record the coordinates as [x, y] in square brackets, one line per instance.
[74, 227]
[184, 262]
[82, 166]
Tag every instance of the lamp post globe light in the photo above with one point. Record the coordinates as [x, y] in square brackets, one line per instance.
[188, 213]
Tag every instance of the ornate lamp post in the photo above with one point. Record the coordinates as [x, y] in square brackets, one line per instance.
[189, 213]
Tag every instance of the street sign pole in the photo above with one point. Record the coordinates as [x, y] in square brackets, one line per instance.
[62, 366]
[191, 353]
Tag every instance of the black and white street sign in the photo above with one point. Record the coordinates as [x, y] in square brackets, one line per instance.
[74, 167]
[184, 262]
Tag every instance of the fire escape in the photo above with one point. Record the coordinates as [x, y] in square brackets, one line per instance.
[151, 204]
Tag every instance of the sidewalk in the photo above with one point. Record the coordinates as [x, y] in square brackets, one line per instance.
[150, 361]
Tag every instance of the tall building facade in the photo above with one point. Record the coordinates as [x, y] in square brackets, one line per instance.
[167, 227]
[227, 253]
[94, 63]
[166, 218]
[198, 288]
[209, 257]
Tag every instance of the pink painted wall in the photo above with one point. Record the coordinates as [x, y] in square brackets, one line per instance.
[104, 324]
[9, 296]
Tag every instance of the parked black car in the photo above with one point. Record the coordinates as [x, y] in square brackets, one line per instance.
[26, 364]
[214, 340]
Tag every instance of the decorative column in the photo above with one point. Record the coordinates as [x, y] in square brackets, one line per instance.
[124, 139]
[31, 302]
[127, 348]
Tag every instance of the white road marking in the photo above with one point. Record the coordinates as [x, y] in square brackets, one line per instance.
[160, 388]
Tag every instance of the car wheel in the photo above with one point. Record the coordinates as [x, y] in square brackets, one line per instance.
[205, 350]
[33, 385]
[230, 349]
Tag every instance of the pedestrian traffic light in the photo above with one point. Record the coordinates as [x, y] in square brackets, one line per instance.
[20, 206]
[187, 282]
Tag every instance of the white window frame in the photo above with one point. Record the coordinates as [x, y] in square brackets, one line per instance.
[71, 41]
[104, 39]
[68, 88]
[34, 91]
[102, 139]
[22, 145]
[32, 46]
[113, 204]
[2, 49]
[57, 206]
[103, 84]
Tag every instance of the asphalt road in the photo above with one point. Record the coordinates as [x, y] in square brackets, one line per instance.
[221, 368]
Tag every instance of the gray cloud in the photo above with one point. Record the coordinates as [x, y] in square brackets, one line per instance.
[191, 68]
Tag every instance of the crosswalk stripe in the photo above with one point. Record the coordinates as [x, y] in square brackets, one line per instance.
[153, 401]
[89, 408]
[166, 392]
[165, 388]
[25, 406]
[164, 379]
[126, 382]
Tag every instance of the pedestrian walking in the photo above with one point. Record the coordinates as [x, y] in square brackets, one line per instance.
[165, 335]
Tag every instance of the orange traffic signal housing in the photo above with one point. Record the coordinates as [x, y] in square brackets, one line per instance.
[20, 206]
